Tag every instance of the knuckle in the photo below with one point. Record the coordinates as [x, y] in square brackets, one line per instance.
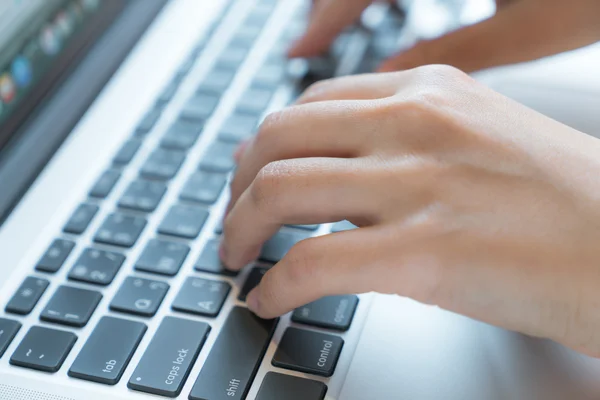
[434, 87]
[318, 88]
[272, 120]
[270, 128]
[267, 186]
[302, 261]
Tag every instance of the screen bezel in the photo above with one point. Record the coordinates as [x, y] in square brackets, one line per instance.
[60, 68]
[41, 133]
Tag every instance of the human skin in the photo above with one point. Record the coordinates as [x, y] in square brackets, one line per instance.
[465, 199]
[521, 30]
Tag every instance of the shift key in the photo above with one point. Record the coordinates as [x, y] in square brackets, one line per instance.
[235, 357]
[170, 356]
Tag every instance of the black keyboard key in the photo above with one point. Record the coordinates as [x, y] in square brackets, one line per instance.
[342, 226]
[27, 296]
[81, 218]
[235, 357]
[309, 352]
[332, 312]
[269, 76]
[127, 152]
[148, 122]
[219, 227]
[209, 260]
[96, 266]
[278, 246]
[218, 157]
[183, 221]
[105, 184]
[255, 101]
[238, 127]
[71, 306]
[162, 257]
[201, 296]
[259, 15]
[279, 386]
[252, 281]
[246, 35]
[200, 107]
[163, 164]
[8, 331]
[203, 187]
[143, 195]
[43, 349]
[108, 350]
[120, 230]
[169, 358]
[232, 57]
[139, 296]
[216, 82]
[55, 256]
[168, 93]
[181, 135]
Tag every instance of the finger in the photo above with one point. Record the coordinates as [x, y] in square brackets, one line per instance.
[328, 20]
[520, 31]
[357, 87]
[335, 129]
[302, 191]
[427, 262]
[356, 261]
[239, 152]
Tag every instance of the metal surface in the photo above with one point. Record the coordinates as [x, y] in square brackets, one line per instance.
[417, 352]
[66, 180]
[406, 350]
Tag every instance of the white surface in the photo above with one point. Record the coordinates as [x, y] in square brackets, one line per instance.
[565, 87]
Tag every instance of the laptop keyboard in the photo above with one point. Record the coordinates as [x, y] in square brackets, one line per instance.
[311, 346]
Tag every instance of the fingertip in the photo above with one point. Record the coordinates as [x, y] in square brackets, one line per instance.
[253, 302]
[305, 47]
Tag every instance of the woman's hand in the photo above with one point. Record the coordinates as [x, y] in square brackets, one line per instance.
[464, 198]
[521, 30]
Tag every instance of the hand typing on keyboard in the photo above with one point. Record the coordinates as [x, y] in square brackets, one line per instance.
[521, 30]
[465, 200]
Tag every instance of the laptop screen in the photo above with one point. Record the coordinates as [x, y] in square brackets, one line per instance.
[38, 40]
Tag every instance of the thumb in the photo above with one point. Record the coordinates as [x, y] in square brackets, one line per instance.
[323, 266]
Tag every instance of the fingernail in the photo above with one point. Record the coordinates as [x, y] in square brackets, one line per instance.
[252, 301]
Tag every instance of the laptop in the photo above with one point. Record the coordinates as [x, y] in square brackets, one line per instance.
[118, 121]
